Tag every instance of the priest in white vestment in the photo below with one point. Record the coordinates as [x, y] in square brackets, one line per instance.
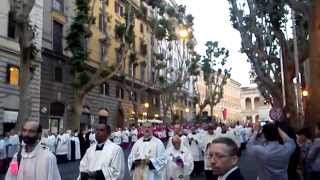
[52, 142]
[180, 163]
[206, 141]
[104, 160]
[147, 159]
[33, 162]
[178, 132]
[74, 148]
[195, 149]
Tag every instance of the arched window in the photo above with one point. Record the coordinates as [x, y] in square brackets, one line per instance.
[248, 104]
[257, 102]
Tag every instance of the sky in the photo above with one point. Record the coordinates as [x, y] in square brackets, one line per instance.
[212, 22]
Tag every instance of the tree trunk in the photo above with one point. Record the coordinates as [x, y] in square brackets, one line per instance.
[77, 107]
[24, 82]
[211, 110]
[291, 103]
[314, 99]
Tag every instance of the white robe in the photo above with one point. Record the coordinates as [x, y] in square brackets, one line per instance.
[208, 138]
[232, 135]
[62, 144]
[13, 145]
[77, 148]
[154, 151]
[40, 164]
[195, 148]
[174, 172]
[110, 160]
[3, 153]
[52, 143]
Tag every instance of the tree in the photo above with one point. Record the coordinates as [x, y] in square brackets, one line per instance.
[262, 26]
[84, 78]
[215, 76]
[25, 34]
[313, 115]
[171, 49]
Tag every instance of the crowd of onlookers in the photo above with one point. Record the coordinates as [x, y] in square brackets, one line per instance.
[278, 151]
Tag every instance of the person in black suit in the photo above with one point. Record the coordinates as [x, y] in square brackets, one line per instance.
[224, 158]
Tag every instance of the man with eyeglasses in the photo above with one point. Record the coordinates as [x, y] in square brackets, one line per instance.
[223, 155]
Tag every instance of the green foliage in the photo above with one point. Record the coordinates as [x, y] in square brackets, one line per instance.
[76, 41]
[262, 26]
[215, 74]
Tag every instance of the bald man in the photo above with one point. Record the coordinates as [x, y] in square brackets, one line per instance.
[33, 161]
[180, 164]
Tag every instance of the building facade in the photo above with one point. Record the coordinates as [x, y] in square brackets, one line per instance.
[229, 108]
[9, 66]
[253, 106]
[114, 96]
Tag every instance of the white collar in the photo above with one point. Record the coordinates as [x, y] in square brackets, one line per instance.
[224, 177]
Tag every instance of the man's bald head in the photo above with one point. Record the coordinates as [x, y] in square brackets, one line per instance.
[176, 142]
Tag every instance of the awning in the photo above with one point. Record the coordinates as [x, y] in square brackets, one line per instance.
[10, 116]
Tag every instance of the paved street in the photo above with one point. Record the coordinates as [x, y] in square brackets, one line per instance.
[70, 171]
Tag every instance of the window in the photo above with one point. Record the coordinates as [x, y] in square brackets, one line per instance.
[142, 72]
[119, 92]
[104, 89]
[11, 26]
[130, 67]
[102, 51]
[13, 75]
[133, 95]
[143, 48]
[58, 74]
[119, 9]
[122, 93]
[153, 77]
[102, 22]
[134, 70]
[57, 5]
[57, 37]
[141, 28]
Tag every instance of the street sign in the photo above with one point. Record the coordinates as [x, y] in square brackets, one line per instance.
[276, 114]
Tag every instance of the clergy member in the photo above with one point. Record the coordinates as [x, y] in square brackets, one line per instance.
[147, 159]
[178, 132]
[33, 161]
[180, 163]
[208, 138]
[104, 160]
[195, 149]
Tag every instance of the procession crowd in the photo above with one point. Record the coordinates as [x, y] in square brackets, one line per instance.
[163, 152]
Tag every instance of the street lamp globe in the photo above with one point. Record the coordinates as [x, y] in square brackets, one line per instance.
[146, 105]
[305, 93]
[183, 33]
[187, 110]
